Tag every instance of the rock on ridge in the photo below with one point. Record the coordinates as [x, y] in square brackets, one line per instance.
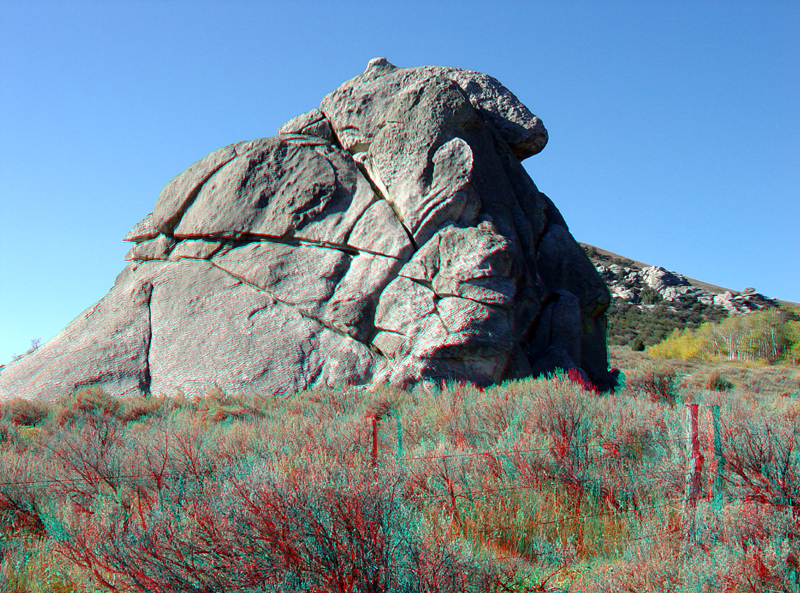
[356, 108]
[627, 281]
[390, 235]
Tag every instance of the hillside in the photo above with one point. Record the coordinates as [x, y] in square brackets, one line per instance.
[649, 302]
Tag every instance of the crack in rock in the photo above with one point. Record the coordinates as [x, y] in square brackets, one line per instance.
[280, 301]
[382, 195]
[146, 379]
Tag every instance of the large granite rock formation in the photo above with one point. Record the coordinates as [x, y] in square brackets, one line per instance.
[390, 235]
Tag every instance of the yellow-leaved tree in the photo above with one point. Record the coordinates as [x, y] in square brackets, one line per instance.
[768, 335]
[685, 344]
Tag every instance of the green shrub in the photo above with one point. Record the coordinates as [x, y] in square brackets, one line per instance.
[658, 384]
[90, 400]
[717, 382]
[531, 485]
[627, 321]
[649, 296]
[23, 412]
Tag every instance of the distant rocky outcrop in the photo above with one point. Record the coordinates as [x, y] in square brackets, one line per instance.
[744, 302]
[650, 302]
[631, 281]
[391, 235]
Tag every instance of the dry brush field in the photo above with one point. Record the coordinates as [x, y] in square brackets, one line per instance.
[535, 485]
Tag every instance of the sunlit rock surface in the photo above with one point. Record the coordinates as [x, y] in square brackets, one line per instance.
[391, 235]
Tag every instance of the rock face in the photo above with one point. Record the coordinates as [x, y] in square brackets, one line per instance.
[627, 281]
[392, 235]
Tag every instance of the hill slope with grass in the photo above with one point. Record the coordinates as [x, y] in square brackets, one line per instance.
[650, 302]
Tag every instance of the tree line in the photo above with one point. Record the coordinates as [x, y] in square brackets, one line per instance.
[630, 324]
[769, 335]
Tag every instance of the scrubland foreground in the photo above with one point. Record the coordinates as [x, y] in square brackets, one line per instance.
[534, 485]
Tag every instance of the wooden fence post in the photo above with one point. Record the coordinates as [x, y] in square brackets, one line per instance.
[719, 458]
[695, 471]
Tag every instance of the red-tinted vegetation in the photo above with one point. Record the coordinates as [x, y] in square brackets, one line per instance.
[538, 485]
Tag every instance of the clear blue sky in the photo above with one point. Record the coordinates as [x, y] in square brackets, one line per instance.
[674, 126]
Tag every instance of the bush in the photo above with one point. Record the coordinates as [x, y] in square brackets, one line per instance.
[627, 321]
[23, 412]
[139, 407]
[762, 460]
[659, 385]
[716, 382]
[678, 344]
[532, 485]
[649, 296]
[87, 401]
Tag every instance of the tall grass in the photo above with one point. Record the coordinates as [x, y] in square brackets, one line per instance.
[539, 484]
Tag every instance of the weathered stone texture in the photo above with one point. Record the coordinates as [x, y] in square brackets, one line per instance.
[390, 235]
[313, 123]
[356, 108]
[107, 344]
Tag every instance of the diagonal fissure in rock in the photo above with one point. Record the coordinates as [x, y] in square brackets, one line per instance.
[382, 196]
[246, 238]
[146, 381]
[300, 310]
[438, 314]
[336, 142]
